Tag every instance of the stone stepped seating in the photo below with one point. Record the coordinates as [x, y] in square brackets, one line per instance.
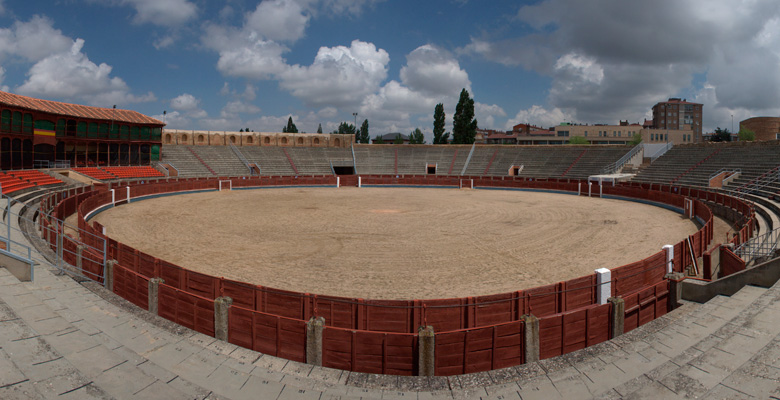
[480, 159]
[310, 160]
[375, 159]
[222, 160]
[595, 159]
[185, 162]
[272, 160]
[675, 162]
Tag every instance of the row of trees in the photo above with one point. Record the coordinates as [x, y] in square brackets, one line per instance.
[464, 126]
[723, 135]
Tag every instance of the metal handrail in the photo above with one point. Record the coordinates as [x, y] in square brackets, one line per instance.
[760, 246]
[722, 170]
[240, 157]
[661, 151]
[612, 167]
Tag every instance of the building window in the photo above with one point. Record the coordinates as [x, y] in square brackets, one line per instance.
[586, 133]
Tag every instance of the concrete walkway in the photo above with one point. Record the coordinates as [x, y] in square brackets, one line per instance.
[60, 338]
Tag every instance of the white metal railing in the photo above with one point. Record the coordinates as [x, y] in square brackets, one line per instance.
[661, 151]
[722, 170]
[760, 246]
[770, 178]
[241, 157]
[615, 166]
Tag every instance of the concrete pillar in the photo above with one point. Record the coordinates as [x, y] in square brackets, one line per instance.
[314, 328]
[669, 258]
[221, 308]
[532, 347]
[108, 275]
[618, 316]
[154, 293]
[604, 285]
[675, 288]
[79, 255]
[426, 344]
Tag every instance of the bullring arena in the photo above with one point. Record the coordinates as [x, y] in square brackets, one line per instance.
[264, 269]
[394, 243]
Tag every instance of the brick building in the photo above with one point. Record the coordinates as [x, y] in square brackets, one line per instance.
[679, 114]
[766, 128]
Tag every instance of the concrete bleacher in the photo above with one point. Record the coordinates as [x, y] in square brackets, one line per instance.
[375, 159]
[692, 165]
[221, 159]
[186, 163]
[272, 160]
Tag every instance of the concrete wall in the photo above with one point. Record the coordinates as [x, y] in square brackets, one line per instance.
[172, 137]
[764, 275]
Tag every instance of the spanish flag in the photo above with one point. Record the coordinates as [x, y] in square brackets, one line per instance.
[43, 136]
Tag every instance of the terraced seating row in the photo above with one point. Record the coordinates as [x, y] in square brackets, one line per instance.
[134, 172]
[184, 160]
[94, 172]
[692, 165]
[13, 181]
[108, 173]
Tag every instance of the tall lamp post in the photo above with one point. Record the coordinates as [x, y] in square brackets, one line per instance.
[732, 124]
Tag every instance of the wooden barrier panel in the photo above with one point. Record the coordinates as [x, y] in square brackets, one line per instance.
[242, 294]
[729, 262]
[131, 286]
[371, 352]
[191, 311]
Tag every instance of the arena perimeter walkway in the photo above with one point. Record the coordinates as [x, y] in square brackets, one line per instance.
[61, 339]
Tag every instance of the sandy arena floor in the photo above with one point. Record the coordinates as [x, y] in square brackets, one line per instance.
[394, 243]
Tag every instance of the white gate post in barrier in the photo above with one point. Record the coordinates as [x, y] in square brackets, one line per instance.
[360, 181]
[669, 258]
[128, 194]
[601, 190]
[604, 282]
[113, 196]
[579, 189]
[338, 181]
[590, 187]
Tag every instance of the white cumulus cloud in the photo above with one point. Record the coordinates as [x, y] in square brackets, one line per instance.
[70, 74]
[339, 76]
[163, 12]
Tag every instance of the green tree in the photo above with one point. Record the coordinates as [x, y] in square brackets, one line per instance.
[290, 128]
[398, 139]
[319, 128]
[363, 135]
[721, 135]
[578, 140]
[378, 139]
[439, 119]
[241, 130]
[346, 129]
[635, 140]
[416, 137]
[746, 135]
[464, 126]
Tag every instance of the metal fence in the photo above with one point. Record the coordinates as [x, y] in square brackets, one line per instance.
[764, 245]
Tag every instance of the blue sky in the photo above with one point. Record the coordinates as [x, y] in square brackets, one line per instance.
[240, 63]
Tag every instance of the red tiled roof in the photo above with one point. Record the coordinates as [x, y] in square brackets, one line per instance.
[502, 136]
[76, 110]
[544, 132]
